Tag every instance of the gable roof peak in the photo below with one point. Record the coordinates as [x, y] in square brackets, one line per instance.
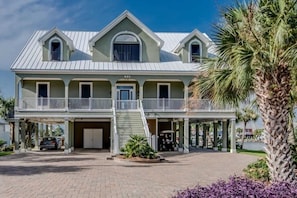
[54, 31]
[203, 37]
[120, 18]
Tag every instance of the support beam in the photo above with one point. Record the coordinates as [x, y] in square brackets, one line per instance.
[225, 136]
[233, 136]
[215, 135]
[66, 134]
[204, 135]
[16, 135]
[197, 135]
[36, 140]
[180, 135]
[186, 135]
[23, 136]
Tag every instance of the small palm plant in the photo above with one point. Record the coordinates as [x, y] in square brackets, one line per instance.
[137, 146]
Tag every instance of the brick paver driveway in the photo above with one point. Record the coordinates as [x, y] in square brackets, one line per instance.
[90, 174]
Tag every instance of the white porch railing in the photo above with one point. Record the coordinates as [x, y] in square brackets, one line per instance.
[127, 104]
[145, 125]
[163, 104]
[89, 103]
[42, 104]
[116, 141]
[101, 104]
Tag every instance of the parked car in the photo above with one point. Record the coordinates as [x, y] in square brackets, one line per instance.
[49, 143]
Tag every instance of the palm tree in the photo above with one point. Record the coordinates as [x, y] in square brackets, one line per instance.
[6, 112]
[257, 47]
[245, 115]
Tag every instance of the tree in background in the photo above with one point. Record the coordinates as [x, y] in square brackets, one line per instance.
[256, 54]
[245, 115]
[7, 112]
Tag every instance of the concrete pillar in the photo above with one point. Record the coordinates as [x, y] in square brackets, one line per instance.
[140, 91]
[181, 135]
[215, 135]
[16, 135]
[36, 139]
[204, 130]
[66, 134]
[46, 130]
[197, 135]
[233, 136]
[40, 128]
[50, 129]
[186, 135]
[225, 136]
[72, 136]
[23, 136]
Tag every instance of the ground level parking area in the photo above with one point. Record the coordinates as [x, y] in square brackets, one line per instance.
[90, 174]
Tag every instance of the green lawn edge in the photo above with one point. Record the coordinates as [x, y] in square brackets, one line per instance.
[4, 153]
[257, 153]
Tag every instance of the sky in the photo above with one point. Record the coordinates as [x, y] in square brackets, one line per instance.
[19, 20]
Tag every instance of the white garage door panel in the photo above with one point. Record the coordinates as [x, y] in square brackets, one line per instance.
[93, 138]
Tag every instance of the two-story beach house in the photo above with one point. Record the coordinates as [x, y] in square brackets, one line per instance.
[124, 79]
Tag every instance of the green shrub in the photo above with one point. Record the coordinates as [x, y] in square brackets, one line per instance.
[2, 142]
[258, 170]
[137, 146]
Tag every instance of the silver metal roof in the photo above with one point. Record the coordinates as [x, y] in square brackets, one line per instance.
[30, 58]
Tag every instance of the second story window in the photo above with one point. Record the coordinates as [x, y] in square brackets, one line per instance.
[126, 48]
[56, 49]
[195, 52]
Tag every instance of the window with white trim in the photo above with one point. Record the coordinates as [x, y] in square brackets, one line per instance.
[42, 90]
[126, 48]
[195, 51]
[55, 49]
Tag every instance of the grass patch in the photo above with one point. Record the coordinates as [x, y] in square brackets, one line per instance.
[251, 152]
[3, 153]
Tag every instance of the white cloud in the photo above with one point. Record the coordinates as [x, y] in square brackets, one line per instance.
[19, 19]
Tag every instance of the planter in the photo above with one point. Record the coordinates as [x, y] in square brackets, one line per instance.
[138, 159]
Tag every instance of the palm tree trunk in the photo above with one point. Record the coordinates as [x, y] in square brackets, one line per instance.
[272, 92]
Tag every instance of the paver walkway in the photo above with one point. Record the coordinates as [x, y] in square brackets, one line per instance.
[89, 174]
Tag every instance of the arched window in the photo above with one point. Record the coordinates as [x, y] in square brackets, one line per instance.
[126, 48]
[55, 49]
[195, 51]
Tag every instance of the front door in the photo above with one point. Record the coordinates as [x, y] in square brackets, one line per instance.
[126, 97]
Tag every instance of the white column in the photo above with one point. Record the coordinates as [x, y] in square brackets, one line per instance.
[186, 97]
[186, 135]
[16, 136]
[66, 134]
[215, 135]
[225, 136]
[23, 136]
[140, 91]
[66, 97]
[233, 136]
[36, 147]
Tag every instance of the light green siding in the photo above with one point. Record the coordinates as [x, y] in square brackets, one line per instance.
[56, 89]
[102, 48]
[101, 90]
[150, 89]
[45, 50]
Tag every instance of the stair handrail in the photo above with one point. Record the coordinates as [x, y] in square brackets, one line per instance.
[115, 132]
[145, 125]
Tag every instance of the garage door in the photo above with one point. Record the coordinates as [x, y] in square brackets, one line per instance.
[93, 138]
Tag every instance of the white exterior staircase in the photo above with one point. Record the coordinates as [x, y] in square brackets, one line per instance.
[128, 123]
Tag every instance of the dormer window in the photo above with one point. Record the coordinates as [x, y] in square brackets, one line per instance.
[195, 51]
[126, 48]
[55, 49]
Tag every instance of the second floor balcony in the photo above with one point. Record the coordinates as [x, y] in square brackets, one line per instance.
[106, 104]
